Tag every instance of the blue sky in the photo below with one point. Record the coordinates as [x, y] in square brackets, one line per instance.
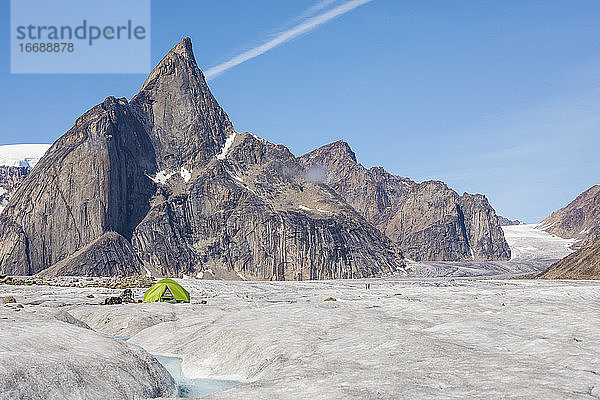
[500, 98]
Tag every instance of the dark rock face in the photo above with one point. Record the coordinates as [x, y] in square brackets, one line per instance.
[109, 255]
[483, 230]
[428, 220]
[10, 178]
[580, 219]
[255, 214]
[164, 183]
[582, 264]
[91, 181]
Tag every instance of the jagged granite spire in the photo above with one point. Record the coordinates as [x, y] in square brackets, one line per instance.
[184, 121]
[165, 184]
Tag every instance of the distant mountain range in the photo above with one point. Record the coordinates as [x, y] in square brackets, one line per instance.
[164, 184]
[508, 222]
[428, 220]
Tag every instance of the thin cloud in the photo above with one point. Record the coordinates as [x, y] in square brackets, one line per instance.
[285, 36]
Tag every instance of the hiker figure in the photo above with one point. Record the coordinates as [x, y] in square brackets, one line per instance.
[127, 296]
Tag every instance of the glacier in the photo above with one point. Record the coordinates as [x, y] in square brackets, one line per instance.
[473, 334]
[47, 358]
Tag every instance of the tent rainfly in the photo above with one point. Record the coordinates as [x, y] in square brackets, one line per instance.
[167, 290]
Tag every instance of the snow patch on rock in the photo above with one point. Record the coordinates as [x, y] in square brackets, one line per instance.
[546, 226]
[242, 183]
[304, 208]
[226, 146]
[237, 178]
[162, 177]
[185, 174]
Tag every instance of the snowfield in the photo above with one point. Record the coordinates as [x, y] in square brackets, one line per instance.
[22, 155]
[406, 337]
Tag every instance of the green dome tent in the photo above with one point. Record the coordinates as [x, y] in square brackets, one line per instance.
[167, 290]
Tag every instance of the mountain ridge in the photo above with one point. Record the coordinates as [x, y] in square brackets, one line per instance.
[428, 220]
[580, 219]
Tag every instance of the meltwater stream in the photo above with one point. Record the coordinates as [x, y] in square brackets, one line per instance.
[187, 387]
[190, 388]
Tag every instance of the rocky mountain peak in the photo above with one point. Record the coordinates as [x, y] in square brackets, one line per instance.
[508, 222]
[379, 171]
[179, 61]
[343, 149]
[186, 124]
[184, 48]
[339, 151]
[580, 219]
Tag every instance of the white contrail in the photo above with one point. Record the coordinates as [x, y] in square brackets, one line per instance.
[317, 7]
[283, 37]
